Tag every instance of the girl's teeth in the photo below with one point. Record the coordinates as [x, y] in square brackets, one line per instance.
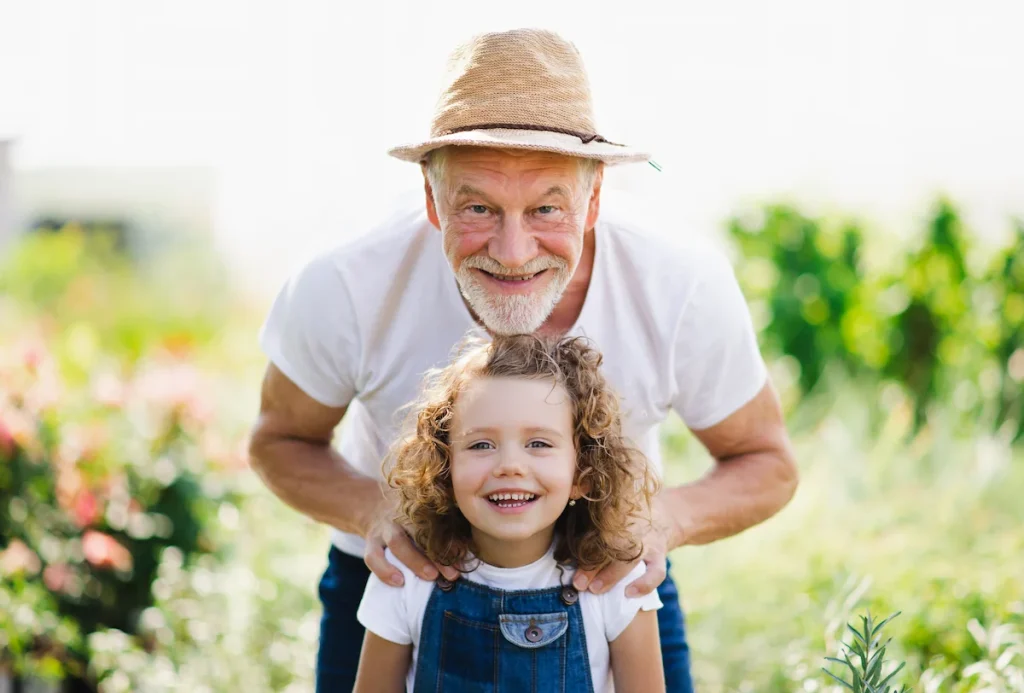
[496, 497]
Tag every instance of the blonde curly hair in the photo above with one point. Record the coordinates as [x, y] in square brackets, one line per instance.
[616, 478]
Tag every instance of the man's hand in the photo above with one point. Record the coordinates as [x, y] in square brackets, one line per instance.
[388, 534]
[659, 537]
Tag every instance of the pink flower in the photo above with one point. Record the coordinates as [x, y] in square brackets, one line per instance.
[18, 558]
[33, 356]
[6, 441]
[21, 429]
[86, 509]
[109, 390]
[103, 551]
[58, 577]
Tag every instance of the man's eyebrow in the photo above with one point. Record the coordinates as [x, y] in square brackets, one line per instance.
[557, 190]
[467, 190]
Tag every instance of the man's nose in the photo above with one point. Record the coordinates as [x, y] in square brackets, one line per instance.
[513, 246]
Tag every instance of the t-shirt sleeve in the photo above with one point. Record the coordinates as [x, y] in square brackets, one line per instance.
[311, 333]
[718, 364]
[384, 611]
[619, 610]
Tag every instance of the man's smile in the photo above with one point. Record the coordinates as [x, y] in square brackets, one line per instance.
[512, 282]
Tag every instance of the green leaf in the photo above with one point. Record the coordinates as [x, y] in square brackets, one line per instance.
[837, 679]
[891, 674]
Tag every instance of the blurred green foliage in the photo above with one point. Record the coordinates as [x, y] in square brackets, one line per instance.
[126, 389]
[941, 318]
[84, 289]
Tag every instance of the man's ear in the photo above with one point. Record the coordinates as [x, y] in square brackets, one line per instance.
[594, 203]
[431, 207]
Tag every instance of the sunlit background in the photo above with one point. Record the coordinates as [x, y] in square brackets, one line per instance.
[265, 124]
[863, 162]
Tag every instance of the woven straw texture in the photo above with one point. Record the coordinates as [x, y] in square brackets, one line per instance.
[520, 89]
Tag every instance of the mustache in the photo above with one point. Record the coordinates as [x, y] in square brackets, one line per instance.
[492, 266]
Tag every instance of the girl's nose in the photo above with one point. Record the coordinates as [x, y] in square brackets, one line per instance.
[510, 463]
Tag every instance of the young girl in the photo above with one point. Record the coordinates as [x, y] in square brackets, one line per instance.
[518, 473]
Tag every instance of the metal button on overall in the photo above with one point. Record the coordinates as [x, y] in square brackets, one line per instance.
[534, 633]
[569, 595]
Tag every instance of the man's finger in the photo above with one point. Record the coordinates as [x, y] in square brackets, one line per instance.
[583, 579]
[379, 565]
[649, 581]
[449, 571]
[610, 576]
[405, 551]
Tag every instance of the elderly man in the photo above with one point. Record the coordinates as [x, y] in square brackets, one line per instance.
[511, 239]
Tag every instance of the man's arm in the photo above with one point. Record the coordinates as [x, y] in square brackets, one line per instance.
[291, 451]
[754, 477]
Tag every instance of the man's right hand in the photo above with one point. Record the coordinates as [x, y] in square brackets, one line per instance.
[386, 534]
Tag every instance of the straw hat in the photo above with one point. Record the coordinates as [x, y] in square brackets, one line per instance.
[520, 89]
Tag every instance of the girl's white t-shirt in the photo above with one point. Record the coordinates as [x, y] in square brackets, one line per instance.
[396, 613]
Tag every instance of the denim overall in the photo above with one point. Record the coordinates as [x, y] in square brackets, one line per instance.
[475, 638]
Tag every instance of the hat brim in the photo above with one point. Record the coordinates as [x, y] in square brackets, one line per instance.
[537, 140]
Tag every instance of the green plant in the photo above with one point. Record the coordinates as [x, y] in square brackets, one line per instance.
[932, 316]
[867, 672]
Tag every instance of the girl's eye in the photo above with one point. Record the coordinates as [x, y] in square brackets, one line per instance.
[537, 444]
[482, 445]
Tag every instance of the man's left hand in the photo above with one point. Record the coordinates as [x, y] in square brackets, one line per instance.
[659, 538]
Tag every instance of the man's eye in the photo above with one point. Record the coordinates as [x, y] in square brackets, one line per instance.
[478, 209]
[546, 209]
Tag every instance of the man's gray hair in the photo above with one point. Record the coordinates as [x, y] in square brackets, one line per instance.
[436, 164]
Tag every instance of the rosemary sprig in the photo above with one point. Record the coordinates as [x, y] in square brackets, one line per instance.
[865, 659]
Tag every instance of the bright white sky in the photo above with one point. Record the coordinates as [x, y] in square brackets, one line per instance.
[870, 106]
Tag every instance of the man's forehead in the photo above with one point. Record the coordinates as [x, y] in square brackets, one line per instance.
[467, 190]
[508, 159]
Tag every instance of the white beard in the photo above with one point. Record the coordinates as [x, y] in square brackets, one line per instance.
[516, 314]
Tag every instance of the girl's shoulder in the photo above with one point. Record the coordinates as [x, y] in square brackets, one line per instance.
[615, 610]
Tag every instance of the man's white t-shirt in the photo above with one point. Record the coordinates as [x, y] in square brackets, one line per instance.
[359, 326]
[396, 613]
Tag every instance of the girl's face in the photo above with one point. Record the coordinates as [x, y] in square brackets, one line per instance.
[513, 465]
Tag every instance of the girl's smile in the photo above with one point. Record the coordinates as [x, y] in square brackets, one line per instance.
[512, 501]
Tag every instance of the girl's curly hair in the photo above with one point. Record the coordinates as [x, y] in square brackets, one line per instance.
[616, 478]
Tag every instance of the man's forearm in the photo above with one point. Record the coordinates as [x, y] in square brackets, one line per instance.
[315, 480]
[735, 495]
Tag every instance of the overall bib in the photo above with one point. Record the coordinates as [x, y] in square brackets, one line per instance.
[475, 639]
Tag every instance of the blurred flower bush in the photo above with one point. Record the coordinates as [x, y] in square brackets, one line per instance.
[122, 473]
[96, 482]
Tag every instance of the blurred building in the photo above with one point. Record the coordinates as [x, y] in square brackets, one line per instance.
[6, 213]
[147, 207]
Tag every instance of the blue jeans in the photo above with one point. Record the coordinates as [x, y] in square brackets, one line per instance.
[341, 635]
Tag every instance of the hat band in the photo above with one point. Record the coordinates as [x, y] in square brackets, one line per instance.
[585, 138]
